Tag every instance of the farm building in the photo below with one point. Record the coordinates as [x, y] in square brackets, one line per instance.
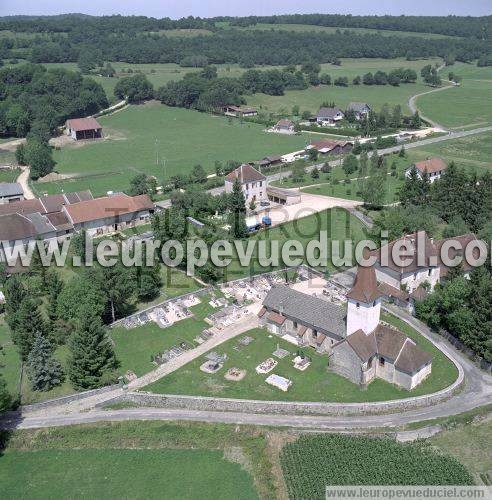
[284, 127]
[253, 183]
[329, 116]
[360, 109]
[109, 213]
[83, 128]
[434, 167]
[331, 147]
[10, 192]
[231, 110]
[270, 161]
[283, 196]
[358, 345]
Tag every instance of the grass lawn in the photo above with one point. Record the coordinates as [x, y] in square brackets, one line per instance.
[338, 224]
[471, 445]
[7, 175]
[137, 460]
[183, 139]
[314, 384]
[466, 105]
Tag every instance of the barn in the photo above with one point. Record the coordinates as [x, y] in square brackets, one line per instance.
[83, 128]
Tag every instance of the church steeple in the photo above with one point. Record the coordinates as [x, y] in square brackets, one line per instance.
[364, 302]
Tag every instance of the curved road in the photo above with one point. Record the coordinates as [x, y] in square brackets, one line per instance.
[477, 391]
[413, 107]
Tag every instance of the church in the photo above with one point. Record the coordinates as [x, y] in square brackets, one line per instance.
[359, 346]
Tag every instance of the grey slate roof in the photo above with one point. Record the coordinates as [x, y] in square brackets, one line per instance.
[317, 313]
[10, 189]
[41, 224]
[359, 107]
[329, 112]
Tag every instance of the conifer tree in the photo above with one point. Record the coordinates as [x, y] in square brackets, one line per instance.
[5, 397]
[43, 370]
[29, 324]
[92, 358]
[237, 207]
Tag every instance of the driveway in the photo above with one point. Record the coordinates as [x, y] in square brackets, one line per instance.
[23, 180]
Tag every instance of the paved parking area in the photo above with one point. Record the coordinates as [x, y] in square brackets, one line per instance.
[309, 204]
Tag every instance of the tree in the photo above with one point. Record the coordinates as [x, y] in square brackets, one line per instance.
[86, 62]
[5, 397]
[416, 122]
[39, 157]
[43, 370]
[149, 281]
[298, 171]
[134, 88]
[138, 185]
[20, 154]
[237, 209]
[295, 110]
[373, 190]
[91, 359]
[357, 80]
[198, 174]
[325, 79]
[29, 324]
[350, 164]
[313, 154]
[402, 152]
[315, 173]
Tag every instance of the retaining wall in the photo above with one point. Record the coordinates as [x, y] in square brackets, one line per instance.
[283, 407]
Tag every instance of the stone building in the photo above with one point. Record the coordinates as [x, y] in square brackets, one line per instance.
[359, 346]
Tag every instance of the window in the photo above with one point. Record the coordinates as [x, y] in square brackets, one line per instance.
[261, 183]
[247, 187]
[357, 305]
[374, 304]
[315, 333]
[295, 324]
[369, 363]
[414, 276]
[430, 272]
[381, 361]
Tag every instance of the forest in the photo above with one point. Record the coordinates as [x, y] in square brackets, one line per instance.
[135, 40]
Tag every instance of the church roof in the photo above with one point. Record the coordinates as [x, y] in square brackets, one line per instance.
[365, 288]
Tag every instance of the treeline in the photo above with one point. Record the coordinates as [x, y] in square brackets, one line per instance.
[261, 47]
[33, 97]
[477, 27]
[461, 306]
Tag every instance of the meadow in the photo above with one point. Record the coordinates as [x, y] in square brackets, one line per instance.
[375, 95]
[161, 141]
[465, 106]
[9, 175]
[313, 384]
[163, 460]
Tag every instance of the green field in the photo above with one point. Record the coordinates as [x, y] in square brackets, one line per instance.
[468, 105]
[314, 384]
[7, 175]
[375, 95]
[182, 138]
[363, 461]
[135, 460]
[333, 29]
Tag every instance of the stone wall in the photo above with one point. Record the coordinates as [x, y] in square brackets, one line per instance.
[282, 407]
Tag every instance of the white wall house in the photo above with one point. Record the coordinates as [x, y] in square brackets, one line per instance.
[253, 183]
[329, 116]
[10, 192]
[434, 167]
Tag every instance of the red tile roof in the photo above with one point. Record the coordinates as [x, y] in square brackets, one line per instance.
[432, 165]
[79, 124]
[276, 318]
[109, 206]
[365, 288]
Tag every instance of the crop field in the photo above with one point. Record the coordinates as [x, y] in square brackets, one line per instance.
[468, 105]
[314, 384]
[333, 29]
[315, 461]
[163, 460]
[178, 139]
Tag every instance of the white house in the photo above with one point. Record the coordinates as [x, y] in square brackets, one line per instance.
[360, 109]
[253, 183]
[434, 167]
[284, 127]
[329, 116]
[83, 128]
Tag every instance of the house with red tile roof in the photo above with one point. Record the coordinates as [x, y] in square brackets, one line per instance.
[434, 167]
[253, 183]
